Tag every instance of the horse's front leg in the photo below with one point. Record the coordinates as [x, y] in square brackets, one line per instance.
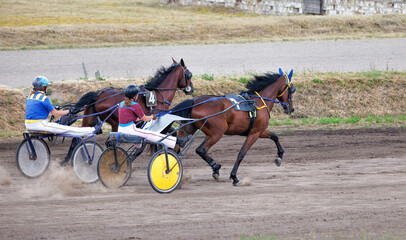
[249, 141]
[275, 138]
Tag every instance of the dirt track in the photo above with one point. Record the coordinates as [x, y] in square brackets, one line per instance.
[332, 184]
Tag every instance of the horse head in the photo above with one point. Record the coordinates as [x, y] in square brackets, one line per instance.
[286, 91]
[185, 80]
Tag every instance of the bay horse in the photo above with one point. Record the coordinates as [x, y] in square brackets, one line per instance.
[265, 90]
[165, 83]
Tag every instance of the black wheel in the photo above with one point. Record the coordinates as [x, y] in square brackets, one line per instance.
[27, 164]
[160, 178]
[84, 166]
[112, 173]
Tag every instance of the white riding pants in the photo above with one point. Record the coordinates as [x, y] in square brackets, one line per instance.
[151, 136]
[52, 127]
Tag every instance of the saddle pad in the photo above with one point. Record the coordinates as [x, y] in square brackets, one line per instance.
[243, 104]
[125, 138]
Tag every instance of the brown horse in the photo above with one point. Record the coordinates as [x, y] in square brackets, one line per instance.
[164, 84]
[264, 90]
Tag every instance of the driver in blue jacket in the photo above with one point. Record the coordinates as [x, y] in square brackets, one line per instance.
[38, 107]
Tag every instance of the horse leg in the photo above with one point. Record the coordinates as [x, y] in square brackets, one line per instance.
[68, 156]
[275, 138]
[251, 139]
[202, 152]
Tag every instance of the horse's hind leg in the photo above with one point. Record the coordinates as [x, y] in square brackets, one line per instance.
[202, 152]
[68, 156]
[251, 139]
[275, 138]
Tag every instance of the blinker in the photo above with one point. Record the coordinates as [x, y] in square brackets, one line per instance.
[292, 89]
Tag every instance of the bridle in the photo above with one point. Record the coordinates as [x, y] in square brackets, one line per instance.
[288, 88]
[187, 76]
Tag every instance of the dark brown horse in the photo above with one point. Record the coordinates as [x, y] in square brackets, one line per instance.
[265, 91]
[164, 84]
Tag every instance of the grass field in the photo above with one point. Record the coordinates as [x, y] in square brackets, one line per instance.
[47, 24]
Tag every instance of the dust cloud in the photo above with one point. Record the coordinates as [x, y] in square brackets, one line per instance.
[58, 182]
[4, 177]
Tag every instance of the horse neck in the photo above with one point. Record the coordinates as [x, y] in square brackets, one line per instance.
[271, 92]
[171, 82]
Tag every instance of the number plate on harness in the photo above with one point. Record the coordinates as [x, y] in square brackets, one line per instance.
[150, 99]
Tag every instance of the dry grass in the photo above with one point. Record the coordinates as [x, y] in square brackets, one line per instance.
[26, 24]
[318, 95]
[12, 109]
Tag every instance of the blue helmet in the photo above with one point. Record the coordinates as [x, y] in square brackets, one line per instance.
[39, 82]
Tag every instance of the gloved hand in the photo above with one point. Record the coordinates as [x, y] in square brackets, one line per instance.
[153, 116]
[73, 110]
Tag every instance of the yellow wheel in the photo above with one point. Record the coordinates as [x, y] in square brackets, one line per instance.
[114, 173]
[161, 178]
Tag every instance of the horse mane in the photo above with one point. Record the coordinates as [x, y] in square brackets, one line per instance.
[86, 99]
[260, 82]
[159, 77]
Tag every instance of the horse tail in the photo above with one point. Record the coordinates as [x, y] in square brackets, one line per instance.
[183, 109]
[85, 100]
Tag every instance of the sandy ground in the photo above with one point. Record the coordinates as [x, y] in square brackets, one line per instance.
[335, 184]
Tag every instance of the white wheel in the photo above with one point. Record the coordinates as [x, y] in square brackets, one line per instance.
[84, 162]
[29, 165]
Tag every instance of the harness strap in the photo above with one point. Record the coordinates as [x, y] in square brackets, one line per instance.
[252, 118]
[264, 106]
[284, 91]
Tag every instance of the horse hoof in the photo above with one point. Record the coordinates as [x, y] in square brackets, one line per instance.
[278, 161]
[235, 180]
[216, 167]
[216, 176]
[216, 172]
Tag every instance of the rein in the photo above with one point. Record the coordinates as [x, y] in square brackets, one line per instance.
[115, 107]
[181, 109]
[216, 98]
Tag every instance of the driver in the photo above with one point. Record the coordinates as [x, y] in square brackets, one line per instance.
[38, 107]
[130, 111]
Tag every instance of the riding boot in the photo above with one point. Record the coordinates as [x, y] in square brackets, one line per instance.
[182, 141]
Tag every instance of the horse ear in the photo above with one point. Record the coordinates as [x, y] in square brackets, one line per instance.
[174, 60]
[280, 71]
[290, 75]
[182, 62]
